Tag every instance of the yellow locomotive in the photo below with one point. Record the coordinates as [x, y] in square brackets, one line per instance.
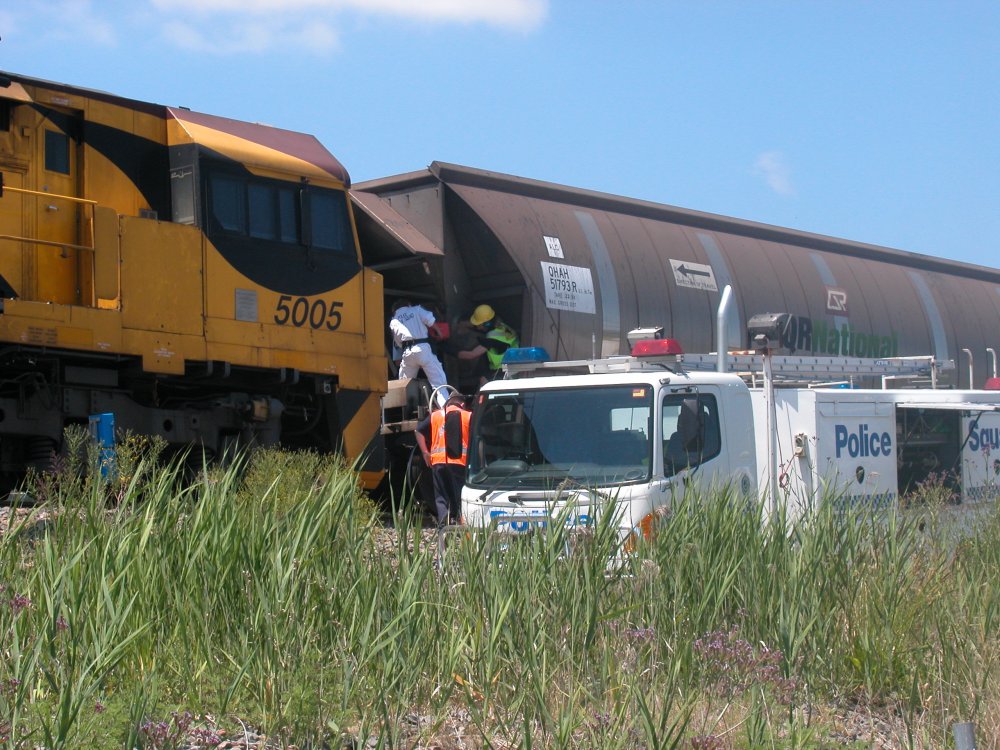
[197, 276]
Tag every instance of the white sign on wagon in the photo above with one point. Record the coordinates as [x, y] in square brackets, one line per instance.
[554, 246]
[694, 275]
[568, 288]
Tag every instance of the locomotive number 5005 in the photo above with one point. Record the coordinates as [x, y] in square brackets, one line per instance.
[299, 311]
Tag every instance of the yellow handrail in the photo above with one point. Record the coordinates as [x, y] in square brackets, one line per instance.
[50, 243]
[25, 191]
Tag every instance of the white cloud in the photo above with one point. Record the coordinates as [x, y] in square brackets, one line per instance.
[242, 38]
[251, 36]
[226, 27]
[774, 169]
[67, 19]
[522, 15]
[319, 38]
[8, 22]
[87, 25]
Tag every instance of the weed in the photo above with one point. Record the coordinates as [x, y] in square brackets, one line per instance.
[264, 592]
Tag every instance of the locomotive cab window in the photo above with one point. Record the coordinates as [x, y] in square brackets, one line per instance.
[272, 213]
[280, 212]
[329, 227]
[228, 204]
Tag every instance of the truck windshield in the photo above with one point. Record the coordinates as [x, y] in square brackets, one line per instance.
[540, 438]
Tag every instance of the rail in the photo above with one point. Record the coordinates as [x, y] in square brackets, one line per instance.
[53, 243]
[46, 243]
[71, 198]
[87, 241]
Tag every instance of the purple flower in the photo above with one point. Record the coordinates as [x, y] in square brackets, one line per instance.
[601, 721]
[156, 732]
[707, 742]
[640, 634]
[205, 737]
[733, 665]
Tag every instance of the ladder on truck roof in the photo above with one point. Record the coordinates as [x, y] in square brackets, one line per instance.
[788, 370]
[603, 365]
[815, 372]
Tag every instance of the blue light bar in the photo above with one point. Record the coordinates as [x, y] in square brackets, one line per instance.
[525, 355]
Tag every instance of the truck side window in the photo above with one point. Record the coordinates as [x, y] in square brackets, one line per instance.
[691, 433]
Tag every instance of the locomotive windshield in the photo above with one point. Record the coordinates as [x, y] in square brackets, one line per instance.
[274, 211]
[539, 438]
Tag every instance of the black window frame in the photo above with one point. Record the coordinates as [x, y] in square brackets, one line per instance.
[708, 441]
[57, 152]
[304, 196]
[517, 407]
[279, 230]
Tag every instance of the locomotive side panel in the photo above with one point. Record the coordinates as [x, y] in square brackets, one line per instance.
[200, 277]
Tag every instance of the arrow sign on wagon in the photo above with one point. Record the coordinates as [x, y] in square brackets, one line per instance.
[693, 271]
[694, 275]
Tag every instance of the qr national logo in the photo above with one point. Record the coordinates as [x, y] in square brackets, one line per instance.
[836, 300]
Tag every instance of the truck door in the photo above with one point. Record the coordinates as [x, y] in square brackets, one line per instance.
[58, 143]
[692, 438]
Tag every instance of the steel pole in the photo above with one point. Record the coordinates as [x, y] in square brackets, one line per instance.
[965, 735]
[720, 328]
[772, 437]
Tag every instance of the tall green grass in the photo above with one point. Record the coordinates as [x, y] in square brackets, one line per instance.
[167, 608]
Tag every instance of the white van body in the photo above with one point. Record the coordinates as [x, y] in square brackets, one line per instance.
[867, 447]
[571, 446]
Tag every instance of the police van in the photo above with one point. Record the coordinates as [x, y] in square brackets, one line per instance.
[562, 442]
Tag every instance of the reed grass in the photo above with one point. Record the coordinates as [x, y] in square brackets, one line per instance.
[164, 608]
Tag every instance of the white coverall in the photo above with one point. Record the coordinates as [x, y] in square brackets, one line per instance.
[408, 324]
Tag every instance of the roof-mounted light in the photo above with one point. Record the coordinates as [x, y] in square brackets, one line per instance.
[639, 334]
[656, 348]
[525, 355]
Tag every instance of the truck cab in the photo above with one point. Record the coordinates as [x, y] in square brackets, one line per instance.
[563, 442]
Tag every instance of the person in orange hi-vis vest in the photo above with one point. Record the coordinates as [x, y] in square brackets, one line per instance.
[443, 438]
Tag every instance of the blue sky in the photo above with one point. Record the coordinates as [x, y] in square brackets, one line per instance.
[873, 121]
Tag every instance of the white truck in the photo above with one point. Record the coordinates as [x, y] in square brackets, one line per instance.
[569, 440]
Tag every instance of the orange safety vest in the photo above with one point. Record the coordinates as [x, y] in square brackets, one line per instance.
[439, 454]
